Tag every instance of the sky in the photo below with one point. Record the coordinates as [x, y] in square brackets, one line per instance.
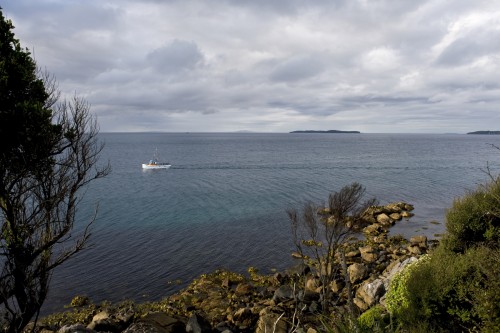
[375, 66]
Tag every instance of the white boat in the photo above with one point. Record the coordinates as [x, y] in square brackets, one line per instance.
[154, 164]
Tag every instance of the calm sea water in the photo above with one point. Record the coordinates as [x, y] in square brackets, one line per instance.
[223, 202]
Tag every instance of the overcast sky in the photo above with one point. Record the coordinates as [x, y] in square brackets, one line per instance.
[272, 65]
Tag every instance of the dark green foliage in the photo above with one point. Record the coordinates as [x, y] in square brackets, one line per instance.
[474, 219]
[456, 292]
[28, 137]
[47, 155]
[458, 288]
[376, 319]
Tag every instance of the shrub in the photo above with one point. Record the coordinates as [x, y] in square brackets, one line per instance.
[474, 219]
[398, 295]
[373, 320]
[452, 292]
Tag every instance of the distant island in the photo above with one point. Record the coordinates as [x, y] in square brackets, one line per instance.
[485, 132]
[329, 131]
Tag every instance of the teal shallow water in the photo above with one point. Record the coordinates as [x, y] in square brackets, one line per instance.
[223, 202]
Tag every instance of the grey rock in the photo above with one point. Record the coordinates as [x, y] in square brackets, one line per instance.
[283, 293]
[157, 323]
[198, 324]
[76, 328]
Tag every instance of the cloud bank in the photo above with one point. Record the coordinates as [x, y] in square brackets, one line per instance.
[272, 66]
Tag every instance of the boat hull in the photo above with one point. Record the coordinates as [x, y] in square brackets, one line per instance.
[156, 166]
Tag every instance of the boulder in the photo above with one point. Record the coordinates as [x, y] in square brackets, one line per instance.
[271, 322]
[104, 322]
[380, 239]
[357, 272]
[362, 306]
[101, 316]
[373, 229]
[395, 216]
[313, 283]
[419, 241]
[370, 292]
[244, 317]
[370, 219]
[368, 254]
[198, 324]
[384, 219]
[394, 268]
[352, 254]
[406, 214]
[373, 210]
[408, 207]
[414, 249]
[76, 328]
[336, 286]
[394, 207]
[157, 322]
[283, 293]
[243, 289]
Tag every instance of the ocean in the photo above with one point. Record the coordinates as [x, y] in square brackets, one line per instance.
[223, 202]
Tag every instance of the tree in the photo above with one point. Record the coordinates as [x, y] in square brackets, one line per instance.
[48, 156]
[319, 233]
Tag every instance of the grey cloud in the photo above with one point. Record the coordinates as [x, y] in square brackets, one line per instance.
[281, 7]
[176, 56]
[467, 49]
[357, 100]
[264, 62]
[297, 68]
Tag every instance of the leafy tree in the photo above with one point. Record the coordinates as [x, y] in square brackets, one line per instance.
[48, 154]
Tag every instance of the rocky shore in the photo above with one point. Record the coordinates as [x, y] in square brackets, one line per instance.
[224, 301]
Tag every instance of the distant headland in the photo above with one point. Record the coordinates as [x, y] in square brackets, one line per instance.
[329, 131]
[486, 132]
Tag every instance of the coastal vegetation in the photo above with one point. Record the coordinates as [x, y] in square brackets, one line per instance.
[48, 155]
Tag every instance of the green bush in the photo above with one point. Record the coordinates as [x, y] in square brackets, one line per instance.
[398, 295]
[474, 219]
[457, 289]
[374, 320]
[454, 292]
